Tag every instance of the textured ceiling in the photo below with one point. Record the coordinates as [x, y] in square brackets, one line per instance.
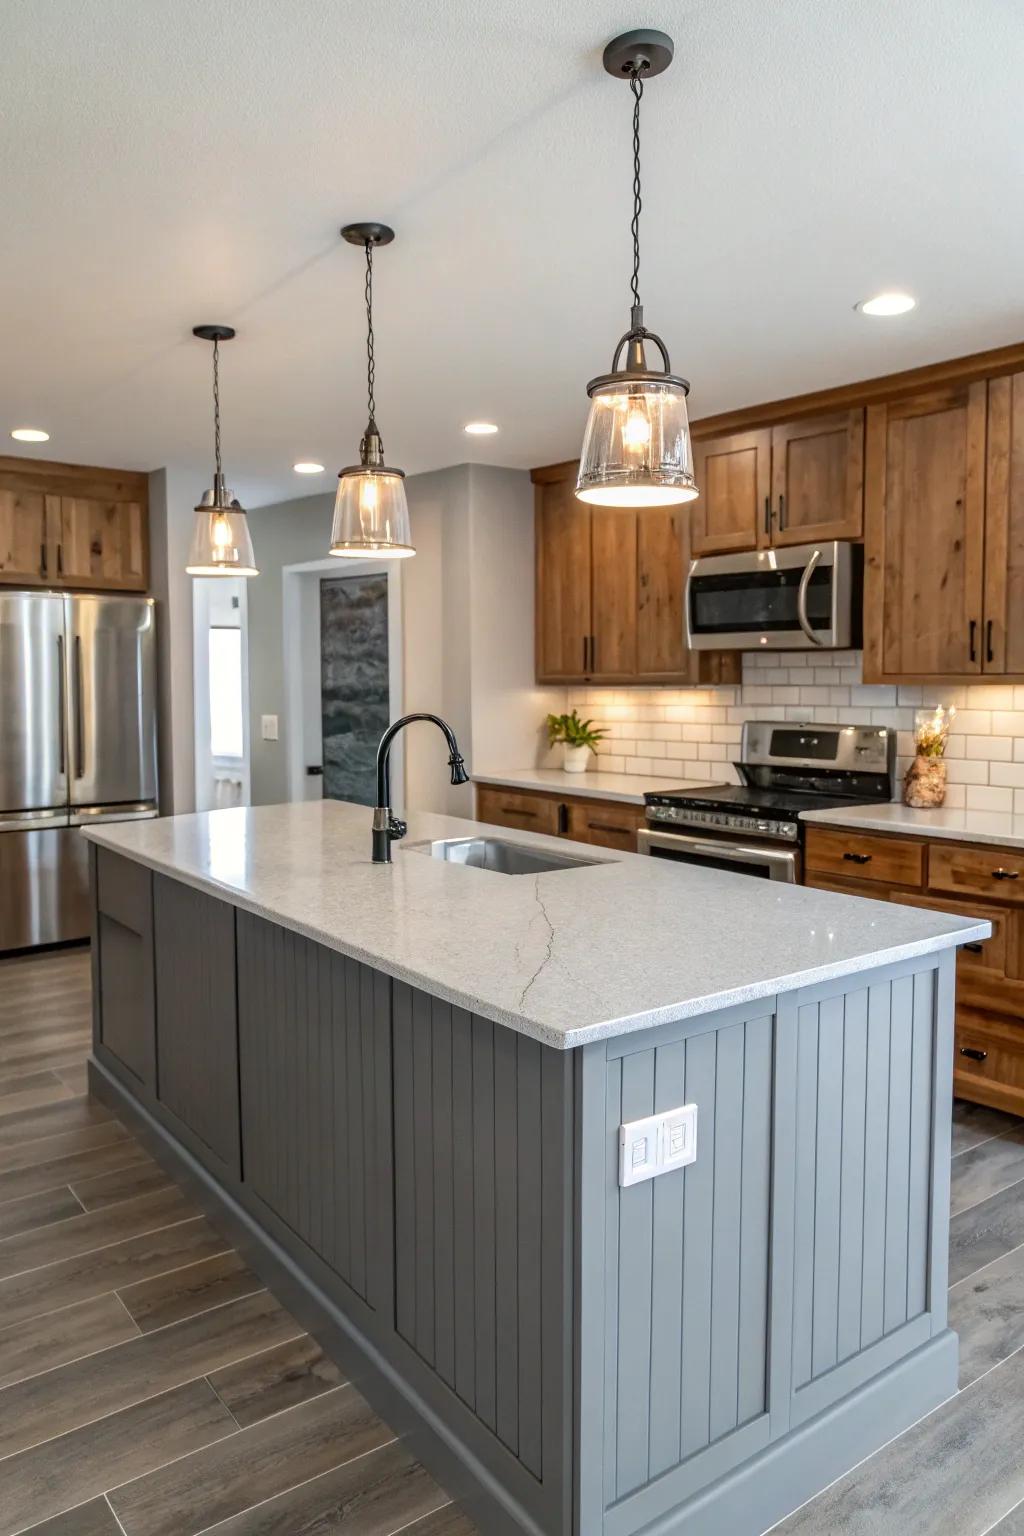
[163, 164]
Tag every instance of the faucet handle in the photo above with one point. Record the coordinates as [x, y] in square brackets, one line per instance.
[458, 767]
[397, 828]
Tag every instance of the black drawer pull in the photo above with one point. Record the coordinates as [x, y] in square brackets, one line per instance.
[974, 949]
[972, 1053]
[858, 858]
[1006, 874]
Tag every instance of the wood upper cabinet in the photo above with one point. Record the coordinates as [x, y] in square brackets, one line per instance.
[1002, 648]
[925, 535]
[69, 525]
[563, 567]
[818, 479]
[733, 510]
[613, 546]
[662, 560]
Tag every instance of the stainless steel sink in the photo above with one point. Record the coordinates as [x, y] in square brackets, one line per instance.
[497, 854]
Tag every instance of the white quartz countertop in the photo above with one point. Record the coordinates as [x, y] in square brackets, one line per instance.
[998, 827]
[626, 787]
[566, 957]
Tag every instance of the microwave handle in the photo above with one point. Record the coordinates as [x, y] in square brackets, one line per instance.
[801, 598]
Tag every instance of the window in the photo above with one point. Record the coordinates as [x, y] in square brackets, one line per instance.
[226, 693]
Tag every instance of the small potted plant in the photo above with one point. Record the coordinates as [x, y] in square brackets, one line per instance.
[924, 783]
[578, 738]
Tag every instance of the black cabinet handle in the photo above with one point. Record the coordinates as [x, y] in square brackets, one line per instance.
[858, 858]
[973, 638]
[593, 654]
[563, 820]
[975, 1055]
[767, 514]
[974, 949]
[1006, 874]
[585, 647]
[42, 558]
[782, 514]
[60, 559]
[989, 653]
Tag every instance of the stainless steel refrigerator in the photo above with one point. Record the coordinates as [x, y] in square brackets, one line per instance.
[77, 746]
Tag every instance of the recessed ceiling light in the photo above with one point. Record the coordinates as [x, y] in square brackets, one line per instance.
[30, 435]
[480, 428]
[887, 304]
[308, 467]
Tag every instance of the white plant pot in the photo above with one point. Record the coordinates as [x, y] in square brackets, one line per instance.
[576, 759]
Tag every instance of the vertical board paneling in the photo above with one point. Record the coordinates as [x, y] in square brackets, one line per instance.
[898, 1172]
[667, 1278]
[687, 1255]
[304, 1014]
[636, 1232]
[920, 1143]
[851, 1174]
[752, 1390]
[472, 1192]
[824, 1324]
[876, 1142]
[807, 1135]
[728, 1206]
[196, 1014]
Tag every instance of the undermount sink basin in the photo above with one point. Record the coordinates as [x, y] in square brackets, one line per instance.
[500, 856]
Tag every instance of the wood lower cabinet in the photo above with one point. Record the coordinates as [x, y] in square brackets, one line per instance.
[582, 818]
[971, 880]
[69, 525]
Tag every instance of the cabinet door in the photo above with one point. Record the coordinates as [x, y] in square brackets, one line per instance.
[1003, 641]
[924, 535]
[102, 544]
[563, 582]
[197, 1018]
[818, 479]
[124, 1024]
[662, 561]
[733, 509]
[501, 807]
[26, 555]
[613, 593]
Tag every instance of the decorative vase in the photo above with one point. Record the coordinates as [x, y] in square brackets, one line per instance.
[576, 759]
[924, 784]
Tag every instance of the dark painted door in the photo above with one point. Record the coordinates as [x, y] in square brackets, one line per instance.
[353, 683]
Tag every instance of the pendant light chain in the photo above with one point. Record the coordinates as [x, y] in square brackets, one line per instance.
[636, 85]
[216, 408]
[370, 364]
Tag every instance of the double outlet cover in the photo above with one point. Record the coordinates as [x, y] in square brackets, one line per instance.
[657, 1144]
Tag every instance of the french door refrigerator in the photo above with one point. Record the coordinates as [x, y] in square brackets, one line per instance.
[77, 746]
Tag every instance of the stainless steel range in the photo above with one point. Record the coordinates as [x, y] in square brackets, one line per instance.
[754, 828]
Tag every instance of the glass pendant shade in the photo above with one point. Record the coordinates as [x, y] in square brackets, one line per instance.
[636, 449]
[221, 545]
[371, 515]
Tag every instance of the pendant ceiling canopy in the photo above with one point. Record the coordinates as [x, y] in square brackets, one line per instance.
[221, 544]
[371, 514]
[636, 448]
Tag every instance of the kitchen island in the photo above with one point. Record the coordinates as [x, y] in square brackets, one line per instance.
[411, 1092]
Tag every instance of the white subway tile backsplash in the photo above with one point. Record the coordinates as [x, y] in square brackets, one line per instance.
[686, 733]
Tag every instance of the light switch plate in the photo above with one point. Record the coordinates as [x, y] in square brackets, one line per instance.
[657, 1144]
[268, 727]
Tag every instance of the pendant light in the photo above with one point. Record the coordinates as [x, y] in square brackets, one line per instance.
[371, 514]
[221, 545]
[636, 450]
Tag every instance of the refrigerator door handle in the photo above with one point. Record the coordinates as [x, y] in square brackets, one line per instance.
[79, 722]
[62, 708]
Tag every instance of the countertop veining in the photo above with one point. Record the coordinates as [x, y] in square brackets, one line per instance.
[625, 787]
[567, 957]
[996, 827]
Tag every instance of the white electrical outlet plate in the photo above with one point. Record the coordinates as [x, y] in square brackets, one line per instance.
[657, 1144]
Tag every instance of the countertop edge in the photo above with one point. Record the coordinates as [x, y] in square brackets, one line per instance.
[855, 820]
[587, 791]
[534, 1028]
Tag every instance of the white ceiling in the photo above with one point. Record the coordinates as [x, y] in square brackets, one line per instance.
[163, 164]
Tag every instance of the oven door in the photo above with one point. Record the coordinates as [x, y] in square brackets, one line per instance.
[802, 598]
[722, 853]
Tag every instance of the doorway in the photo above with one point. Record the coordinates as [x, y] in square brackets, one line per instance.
[220, 680]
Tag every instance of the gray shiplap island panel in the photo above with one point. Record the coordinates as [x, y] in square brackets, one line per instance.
[436, 1196]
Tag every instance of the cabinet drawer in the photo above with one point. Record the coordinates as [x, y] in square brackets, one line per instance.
[996, 872]
[124, 890]
[606, 824]
[994, 957]
[513, 808]
[988, 1060]
[887, 860]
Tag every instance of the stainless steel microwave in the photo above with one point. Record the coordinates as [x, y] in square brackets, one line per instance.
[808, 597]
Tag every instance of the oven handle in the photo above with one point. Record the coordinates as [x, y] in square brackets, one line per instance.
[781, 864]
[801, 598]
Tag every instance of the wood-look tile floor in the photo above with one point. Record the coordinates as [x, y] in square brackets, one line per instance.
[151, 1386]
